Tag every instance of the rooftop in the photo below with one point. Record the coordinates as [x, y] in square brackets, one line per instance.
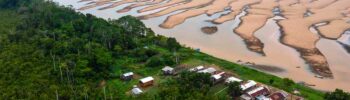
[147, 79]
[208, 70]
[249, 84]
[233, 79]
[136, 91]
[167, 68]
[128, 74]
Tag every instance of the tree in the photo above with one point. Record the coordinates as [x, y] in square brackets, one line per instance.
[172, 44]
[338, 94]
[234, 89]
[288, 84]
[271, 81]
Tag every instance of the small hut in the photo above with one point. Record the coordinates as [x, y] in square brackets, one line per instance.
[196, 68]
[127, 76]
[167, 70]
[232, 79]
[136, 90]
[208, 70]
[148, 81]
[217, 78]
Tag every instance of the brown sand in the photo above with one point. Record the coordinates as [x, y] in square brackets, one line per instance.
[254, 20]
[173, 20]
[96, 4]
[189, 5]
[158, 6]
[297, 33]
[334, 29]
[139, 4]
[118, 3]
[236, 8]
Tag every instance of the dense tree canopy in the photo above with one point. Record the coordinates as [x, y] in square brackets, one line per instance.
[337, 95]
[49, 51]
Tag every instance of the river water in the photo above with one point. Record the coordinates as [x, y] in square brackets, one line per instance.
[227, 45]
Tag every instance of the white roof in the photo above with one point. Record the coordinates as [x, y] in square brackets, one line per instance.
[197, 68]
[233, 79]
[136, 91]
[218, 76]
[147, 79]
[167, 68]
[255, 90]
[247, 85]
[128, 74]
[208, 70]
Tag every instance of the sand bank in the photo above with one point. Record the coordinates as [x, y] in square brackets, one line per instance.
[118, 3]
[96, 4]
[236, 8]
[334, 29]
[139, 4]
[158, 6]
[216, 6]
[297, 33]
[189, 5]
[255, 19]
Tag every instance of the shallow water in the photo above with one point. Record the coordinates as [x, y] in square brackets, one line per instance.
[227, 45]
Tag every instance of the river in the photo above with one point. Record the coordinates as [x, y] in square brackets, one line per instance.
[227, 45]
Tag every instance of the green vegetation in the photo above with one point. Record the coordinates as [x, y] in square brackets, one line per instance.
[235, 89]
[337, 95]
[49, 51]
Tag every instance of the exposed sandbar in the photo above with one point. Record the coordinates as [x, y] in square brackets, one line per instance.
[334, 29]
[96, 4]
[173, 20]
[118, 3]
[255, 19]
[158, 6]
[189, 5]
[139, 4]
[236, 8]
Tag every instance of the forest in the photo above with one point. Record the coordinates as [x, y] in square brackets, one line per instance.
[49, 51]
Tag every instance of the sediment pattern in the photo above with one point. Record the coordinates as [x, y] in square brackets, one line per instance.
[329, 17]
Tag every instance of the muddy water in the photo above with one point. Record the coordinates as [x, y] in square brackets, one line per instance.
[227, 45]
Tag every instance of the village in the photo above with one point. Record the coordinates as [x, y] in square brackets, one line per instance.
[251, 89]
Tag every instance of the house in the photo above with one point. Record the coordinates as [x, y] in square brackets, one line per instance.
[196, 68]
[259, 91]
[208, 70]
[127, 76]
[168, 70]
[148, 81]
[218, 77]
[136, 90]
[247, 85]
[232, 79]
[279, 96]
